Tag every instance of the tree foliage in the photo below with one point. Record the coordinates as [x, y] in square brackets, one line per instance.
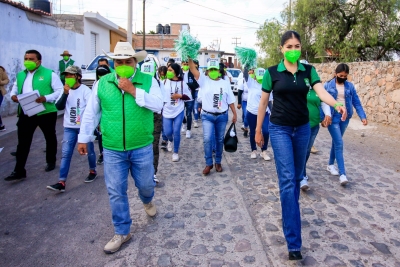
[349, 30]
[269, 37]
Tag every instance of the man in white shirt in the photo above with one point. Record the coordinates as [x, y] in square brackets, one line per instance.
[124, 102]
[48, 84]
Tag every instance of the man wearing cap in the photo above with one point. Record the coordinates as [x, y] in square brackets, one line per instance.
[64, 63]
[36, 77]
[123, 102]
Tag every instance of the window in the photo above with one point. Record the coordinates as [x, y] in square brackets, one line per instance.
[93, 45]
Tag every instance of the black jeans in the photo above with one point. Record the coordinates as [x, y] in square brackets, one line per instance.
[26, 128]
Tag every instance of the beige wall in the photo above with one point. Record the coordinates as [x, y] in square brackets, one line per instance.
[377, 85]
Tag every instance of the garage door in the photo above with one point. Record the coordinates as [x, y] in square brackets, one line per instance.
[93, 44]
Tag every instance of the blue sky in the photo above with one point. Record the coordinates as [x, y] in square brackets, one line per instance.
[179, 11]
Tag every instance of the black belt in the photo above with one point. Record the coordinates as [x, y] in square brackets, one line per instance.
[215, 113]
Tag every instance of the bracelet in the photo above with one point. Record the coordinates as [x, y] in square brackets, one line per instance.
[338, 104]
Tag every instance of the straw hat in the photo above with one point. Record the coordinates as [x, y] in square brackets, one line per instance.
[124, 50]
[66, 53]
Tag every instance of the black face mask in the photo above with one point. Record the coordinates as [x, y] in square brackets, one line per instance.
[341, 80]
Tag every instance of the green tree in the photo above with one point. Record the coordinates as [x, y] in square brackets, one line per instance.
[269, 36]
[152, 32]
[357, 30]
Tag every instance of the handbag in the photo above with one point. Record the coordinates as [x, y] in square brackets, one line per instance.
[231, 139]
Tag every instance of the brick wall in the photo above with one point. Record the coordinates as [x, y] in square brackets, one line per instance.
[155, 41]
[377, 85]
[70, 22]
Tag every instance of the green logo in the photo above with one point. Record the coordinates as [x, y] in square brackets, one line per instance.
[307, 82]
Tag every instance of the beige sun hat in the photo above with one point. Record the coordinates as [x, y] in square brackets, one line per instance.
[124, 50]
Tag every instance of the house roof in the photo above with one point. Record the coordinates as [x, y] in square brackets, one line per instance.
[21, 6]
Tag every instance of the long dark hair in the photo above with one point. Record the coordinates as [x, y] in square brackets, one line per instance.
[342, 67]
[290, 35]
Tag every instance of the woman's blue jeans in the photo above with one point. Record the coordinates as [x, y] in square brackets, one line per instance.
[313, 135]
[172, 130]
[68, 145]
[337, 131]
[290, 148]
[244, 112]
[196, 106]
[117, 165]
[252, 120]
[213, 124]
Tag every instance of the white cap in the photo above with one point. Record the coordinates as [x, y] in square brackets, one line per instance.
[259, 73]
[148, 67]
[213, 64]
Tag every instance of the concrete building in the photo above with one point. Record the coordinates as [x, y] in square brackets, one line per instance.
[24, 28]
[99, 32]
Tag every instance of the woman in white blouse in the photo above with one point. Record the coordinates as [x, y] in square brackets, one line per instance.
[179, 92]
[216, 97]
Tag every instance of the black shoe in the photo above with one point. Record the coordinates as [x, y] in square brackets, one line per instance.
[15, 176]
[60, 186]
[91, 177]
[245, 133]
[100, 160]
[163, 144]
[50, 167]
[295, 255]
[2, 128]
[13, 154]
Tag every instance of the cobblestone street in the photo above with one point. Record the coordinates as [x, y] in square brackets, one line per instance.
[225, 219]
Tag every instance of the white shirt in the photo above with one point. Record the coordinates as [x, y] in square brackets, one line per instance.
[230, 77]
[75, 106]
[254, 96]
[215, 95]
[152, 101]
[173, 107]
[242, 85]
[56, 85]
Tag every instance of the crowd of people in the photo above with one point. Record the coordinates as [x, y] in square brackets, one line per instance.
[129, 110]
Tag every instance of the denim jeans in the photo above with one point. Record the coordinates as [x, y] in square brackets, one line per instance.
[1, 101]
[252, 120]
[337, 131]
[117, 165]
[189, 110]
[196, 106]
[314, 131]
[290, 148]
[213, 124]
[68, 146]
[244, 111]
[172, 130]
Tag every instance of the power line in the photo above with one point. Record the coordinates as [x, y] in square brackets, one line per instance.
[222, 12]
[236, 41]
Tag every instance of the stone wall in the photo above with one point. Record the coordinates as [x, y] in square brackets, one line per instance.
[377, 85]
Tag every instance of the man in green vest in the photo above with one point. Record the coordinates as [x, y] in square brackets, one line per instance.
[64, 63]
[123, 102]
[36, 77]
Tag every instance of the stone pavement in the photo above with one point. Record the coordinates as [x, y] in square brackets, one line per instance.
[225, 219]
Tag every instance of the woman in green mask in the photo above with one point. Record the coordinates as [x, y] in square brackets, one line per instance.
[289, 128]
[216, 97]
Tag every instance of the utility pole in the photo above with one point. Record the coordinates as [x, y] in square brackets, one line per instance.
[290, 15]
[144, 26]
[236, 41]
[129, 31]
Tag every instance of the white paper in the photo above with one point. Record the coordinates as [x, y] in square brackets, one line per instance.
[28, 104]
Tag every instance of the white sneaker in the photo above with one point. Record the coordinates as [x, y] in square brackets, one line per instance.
[169, 146]
[332, 169]
[195, 125]
[175, 157]
[304, 184]
[343, 179]
[188, 134]
[183, 128]
[264, 155]
[253, 154]
[155, 179]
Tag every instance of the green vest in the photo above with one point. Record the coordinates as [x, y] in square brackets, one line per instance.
[42, 82]
[62, 66]
[124, 125]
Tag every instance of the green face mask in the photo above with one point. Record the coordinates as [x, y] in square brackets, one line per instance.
[29, 65]
[170, 75]
[259, 80]
[292, 55]
[66, 58]
[185, 68]
[252, 75]
[214, 74]
[125, 71]
[163, 78]
[70, 82]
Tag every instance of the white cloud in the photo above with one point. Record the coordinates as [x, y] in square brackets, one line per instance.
[179, 11]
